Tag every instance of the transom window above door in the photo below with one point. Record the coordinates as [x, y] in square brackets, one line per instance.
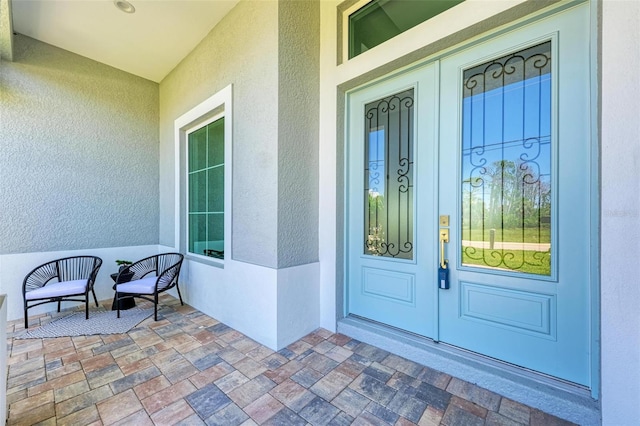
[371, 23]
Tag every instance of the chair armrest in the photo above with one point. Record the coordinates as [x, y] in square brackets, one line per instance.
[142, 267]
[39, 276]
[168, 277]
[94, 273]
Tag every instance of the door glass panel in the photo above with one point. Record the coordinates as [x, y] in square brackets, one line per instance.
[388, 176]
[506, 163]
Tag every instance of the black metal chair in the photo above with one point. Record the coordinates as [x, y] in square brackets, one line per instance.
[151, 276]
[67, 279]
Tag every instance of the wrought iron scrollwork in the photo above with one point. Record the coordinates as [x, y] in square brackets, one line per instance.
[506, 162]
[388, 194]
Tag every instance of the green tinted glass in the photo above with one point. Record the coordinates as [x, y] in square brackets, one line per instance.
[382, 20]
[206, 190]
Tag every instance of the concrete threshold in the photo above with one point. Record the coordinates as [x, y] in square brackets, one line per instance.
[562, 399]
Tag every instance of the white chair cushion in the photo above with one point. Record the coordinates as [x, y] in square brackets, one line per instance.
[146, 285]
[57, 289]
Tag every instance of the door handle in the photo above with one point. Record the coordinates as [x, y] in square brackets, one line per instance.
[444, 238]
[443, 271]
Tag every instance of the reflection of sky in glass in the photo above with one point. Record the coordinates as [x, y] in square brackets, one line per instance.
[510, 123]
[376, 162]
[506, 162]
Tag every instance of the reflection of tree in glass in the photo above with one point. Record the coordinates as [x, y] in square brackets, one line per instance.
[375, 241]
[506, 217]
[377, 216]
[506, 195]
[518, 197]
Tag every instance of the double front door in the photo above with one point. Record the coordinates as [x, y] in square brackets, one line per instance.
[468, 199]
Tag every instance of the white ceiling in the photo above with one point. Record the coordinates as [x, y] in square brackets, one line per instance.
[148, 43]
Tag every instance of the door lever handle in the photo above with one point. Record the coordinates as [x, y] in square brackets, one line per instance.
[443, 272]
[444, 238]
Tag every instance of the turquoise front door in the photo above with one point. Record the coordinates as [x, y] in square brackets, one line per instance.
[392, 204]
[491, 146]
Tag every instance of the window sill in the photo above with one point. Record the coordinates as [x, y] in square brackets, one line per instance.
[205, 260]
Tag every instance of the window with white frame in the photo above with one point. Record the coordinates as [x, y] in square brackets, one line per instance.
[205, 183]
[203, 179]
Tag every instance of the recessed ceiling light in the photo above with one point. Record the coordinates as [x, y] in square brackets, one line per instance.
[124, 6]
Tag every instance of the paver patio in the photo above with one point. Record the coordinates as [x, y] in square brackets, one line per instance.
[190, 369]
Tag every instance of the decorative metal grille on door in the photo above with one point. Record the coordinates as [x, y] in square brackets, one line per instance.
[388, 189]
[506, 163]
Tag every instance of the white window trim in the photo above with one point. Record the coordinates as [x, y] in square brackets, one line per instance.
[199, 116]
[345, 26]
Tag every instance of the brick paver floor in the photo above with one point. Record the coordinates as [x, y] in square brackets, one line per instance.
[190, 369]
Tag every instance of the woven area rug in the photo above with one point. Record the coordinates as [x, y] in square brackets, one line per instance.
[102, 322]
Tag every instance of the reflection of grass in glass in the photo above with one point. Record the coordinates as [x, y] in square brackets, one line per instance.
[510, 235]
[535, 262]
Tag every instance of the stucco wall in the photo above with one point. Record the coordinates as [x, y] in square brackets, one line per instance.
[240, 50]
[78, 153]
[267, 52]
[298, 113]
[620, 215]
[6, 30]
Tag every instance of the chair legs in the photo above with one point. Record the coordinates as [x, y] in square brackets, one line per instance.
[179, 295]
[86, 309]
[155, 301]
[155, 307]
[95, 299]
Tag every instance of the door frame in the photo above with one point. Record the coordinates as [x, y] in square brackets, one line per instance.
[383, 73]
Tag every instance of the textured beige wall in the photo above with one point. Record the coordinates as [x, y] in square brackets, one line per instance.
[269, 51]
[298, 117]
[6, 31]
[241, 50]
[78, 153]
